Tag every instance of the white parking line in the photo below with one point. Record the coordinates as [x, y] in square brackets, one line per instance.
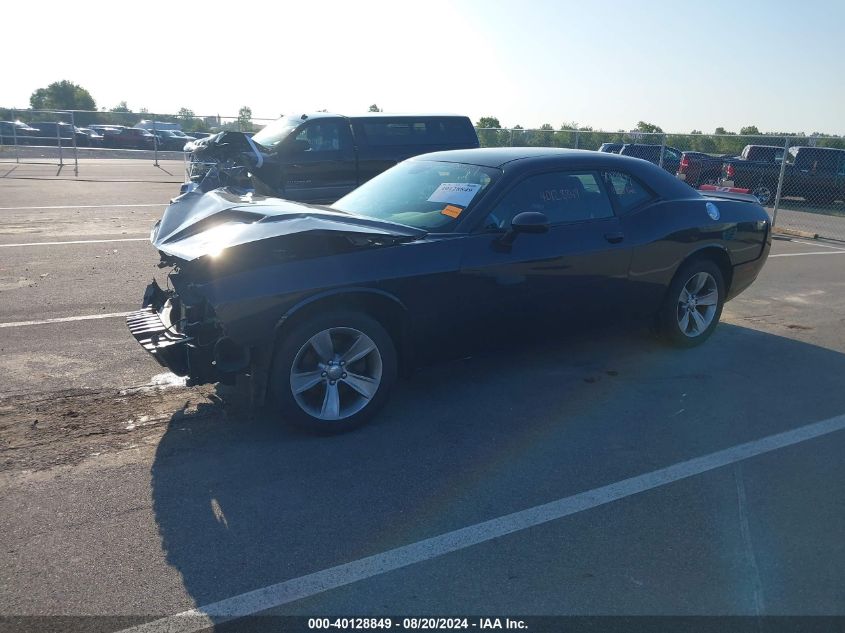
[312, 584]
[87, 206]
[121, 239]
[836, 248]
[808, 253]
[88, 317]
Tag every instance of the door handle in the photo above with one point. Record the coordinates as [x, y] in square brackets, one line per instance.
[614, 238]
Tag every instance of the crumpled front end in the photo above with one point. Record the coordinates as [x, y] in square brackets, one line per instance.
[183, 334]
[238, 262]
[228, 159]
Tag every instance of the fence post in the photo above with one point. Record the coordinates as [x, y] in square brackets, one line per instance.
[662, 149]
[780, 181]
[59, 140]
[155, 141]
[75, 149]
[15, 136]
[577, 137]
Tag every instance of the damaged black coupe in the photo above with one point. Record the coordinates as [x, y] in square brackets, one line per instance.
[323, 306]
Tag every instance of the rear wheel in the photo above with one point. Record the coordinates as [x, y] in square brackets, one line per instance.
[333, 372]
[693, 304]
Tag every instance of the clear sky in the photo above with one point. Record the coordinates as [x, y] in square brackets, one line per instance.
[779, 65]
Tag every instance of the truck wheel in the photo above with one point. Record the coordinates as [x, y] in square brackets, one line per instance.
[332, 373]
[693, 303]
[763, 193]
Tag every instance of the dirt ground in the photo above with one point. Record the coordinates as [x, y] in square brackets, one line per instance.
[39, 431]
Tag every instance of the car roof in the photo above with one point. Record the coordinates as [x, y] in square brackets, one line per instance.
[530, 158]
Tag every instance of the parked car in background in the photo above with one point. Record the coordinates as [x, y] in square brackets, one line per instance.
[759, 168]
[651, 153]
[698, 168]
[158, 125]
[186, 138]
[107, 131]
[816, 174]
[95, 139]
[319, 157]
[172, 139]
[324, 306]
[53, 133]
[130, 138]
[612, 148]
[15, 132]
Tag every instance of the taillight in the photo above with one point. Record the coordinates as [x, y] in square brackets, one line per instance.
[682, 168]
[730, 171]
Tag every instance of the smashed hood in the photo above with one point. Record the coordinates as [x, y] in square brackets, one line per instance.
[206, 224]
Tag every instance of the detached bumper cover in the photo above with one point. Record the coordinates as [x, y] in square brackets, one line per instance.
[166, 345]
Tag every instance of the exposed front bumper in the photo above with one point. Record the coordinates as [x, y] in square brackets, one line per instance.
[151, 327]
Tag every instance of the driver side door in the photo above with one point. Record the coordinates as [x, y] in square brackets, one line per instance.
[576, 271]
[319, 163]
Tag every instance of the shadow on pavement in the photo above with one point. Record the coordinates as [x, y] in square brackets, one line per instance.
[242, 503]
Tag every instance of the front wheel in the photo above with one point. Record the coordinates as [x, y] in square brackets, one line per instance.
[333, 372]
[693, 304]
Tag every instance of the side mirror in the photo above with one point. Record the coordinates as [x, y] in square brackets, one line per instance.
[525, 222]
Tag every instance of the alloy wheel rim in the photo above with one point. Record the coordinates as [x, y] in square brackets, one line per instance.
[762, 193]
[336, 373]
[697, 304]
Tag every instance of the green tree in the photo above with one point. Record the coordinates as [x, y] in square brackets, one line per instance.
[62, 95]
[120, 107]
[488, 122]
[185, 114]
[649, 128]
[749, 130]
[544, 137]
[245, 119]
[375, 108]
[490, 133]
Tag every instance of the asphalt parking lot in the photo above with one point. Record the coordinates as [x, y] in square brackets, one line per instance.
[600, 473]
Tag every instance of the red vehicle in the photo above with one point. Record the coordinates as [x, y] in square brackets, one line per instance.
[698, 168]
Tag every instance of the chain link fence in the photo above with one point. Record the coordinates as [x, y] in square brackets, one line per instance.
[799, 179]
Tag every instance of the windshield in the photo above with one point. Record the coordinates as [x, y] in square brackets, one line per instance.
[273, 134]
[428, 195]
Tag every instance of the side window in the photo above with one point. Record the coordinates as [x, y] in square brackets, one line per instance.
[321, 137]
[627, 189]
[563, 196]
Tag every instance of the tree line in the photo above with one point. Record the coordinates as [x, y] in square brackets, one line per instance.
[66, 95]
[570, 135]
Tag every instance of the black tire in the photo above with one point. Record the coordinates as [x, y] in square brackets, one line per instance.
[670, 312]
[294, 340]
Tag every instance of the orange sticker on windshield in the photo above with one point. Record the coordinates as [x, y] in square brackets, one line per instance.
[451, 210]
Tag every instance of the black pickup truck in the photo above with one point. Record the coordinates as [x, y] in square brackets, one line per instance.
[320, 157]
[816, 174]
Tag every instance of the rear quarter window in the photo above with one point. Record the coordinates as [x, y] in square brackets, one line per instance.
[629, 192]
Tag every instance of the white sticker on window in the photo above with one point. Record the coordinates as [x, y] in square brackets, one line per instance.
[458, 193]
